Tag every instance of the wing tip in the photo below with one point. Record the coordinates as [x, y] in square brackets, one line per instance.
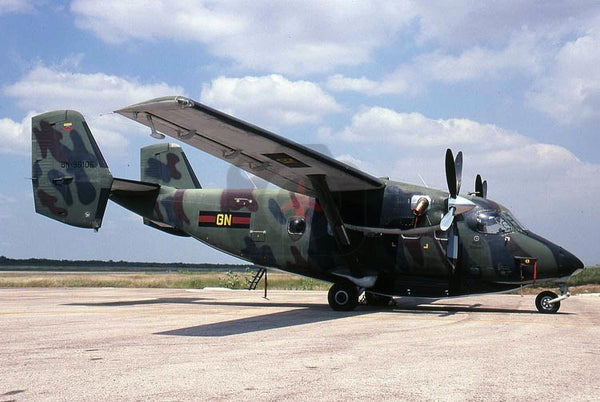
[181, 100]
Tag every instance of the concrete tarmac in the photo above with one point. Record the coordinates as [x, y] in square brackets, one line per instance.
[171, 345]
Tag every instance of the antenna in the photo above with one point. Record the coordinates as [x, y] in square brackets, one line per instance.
[251, 181]
[422, 180]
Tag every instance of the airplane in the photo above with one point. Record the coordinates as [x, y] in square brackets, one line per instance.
[327, 220]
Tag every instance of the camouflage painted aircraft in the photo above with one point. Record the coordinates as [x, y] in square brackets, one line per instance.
[327, 221]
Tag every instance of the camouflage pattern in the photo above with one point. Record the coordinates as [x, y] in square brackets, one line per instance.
[289, 231]
[255, 225]
[166, 164]
[71, 181]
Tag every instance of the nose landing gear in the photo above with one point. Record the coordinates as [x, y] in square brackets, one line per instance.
[549, 302]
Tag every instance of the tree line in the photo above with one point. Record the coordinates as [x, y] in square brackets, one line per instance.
[52, 264]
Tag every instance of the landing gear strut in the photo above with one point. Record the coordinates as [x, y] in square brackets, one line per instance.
[343, 296]
[377, 300]
[549, 302]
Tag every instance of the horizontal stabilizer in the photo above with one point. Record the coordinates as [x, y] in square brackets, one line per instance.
[133, 186]
[163, 227]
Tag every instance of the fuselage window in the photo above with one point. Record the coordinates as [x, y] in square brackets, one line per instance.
[297, 226]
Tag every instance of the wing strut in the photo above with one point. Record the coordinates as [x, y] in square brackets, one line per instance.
[332, 213]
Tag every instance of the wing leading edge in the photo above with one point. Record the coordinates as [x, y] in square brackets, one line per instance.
[269, 156]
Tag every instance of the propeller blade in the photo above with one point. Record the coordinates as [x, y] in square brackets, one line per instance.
[458, 163]
[452, 246]
[451, 173]
[447, 220]
[478, 186]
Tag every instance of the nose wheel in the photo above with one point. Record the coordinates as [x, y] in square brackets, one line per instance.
[549, 302]
[542, 302]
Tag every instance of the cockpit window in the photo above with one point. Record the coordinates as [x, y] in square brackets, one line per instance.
[492, 222]
[513, 221]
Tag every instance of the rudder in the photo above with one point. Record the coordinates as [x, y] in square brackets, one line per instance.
[71, 180]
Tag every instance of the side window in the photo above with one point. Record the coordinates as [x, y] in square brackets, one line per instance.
[296, 226]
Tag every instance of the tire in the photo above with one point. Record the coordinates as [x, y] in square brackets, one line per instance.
[377, 300]
[541, 303]
[343, 297]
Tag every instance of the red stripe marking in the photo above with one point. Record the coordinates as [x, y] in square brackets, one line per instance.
[207, 219]
[240, 220]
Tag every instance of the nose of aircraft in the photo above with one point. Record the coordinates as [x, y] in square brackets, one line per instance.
[561, 263]
[567, 262]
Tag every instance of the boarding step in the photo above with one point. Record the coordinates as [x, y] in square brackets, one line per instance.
[257, 278]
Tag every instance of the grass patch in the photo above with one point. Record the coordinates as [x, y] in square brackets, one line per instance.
[588, 281]
[588, 276]
[178, 280]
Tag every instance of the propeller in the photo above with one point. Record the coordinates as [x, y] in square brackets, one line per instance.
[453, 178]
[480, 187]
[456, 204]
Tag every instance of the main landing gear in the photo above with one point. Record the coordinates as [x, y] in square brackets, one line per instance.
[344, 296]
[549, 302]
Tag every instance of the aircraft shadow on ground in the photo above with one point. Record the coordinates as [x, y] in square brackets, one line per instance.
[162, 300]
[199, 300]
[281, 319]
[301, 313]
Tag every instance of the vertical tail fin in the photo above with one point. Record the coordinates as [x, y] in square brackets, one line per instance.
[166, 164]
[71, 180]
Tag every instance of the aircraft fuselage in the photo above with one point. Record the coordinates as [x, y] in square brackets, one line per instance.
[288, 231]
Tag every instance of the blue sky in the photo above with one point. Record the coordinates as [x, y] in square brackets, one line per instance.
[386, 86]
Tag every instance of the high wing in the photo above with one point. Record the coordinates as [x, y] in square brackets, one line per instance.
[269, 156]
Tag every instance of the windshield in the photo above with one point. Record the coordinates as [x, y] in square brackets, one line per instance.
[513, 221]
[493, 222]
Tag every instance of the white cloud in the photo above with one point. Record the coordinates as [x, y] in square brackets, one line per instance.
[356, 163]
[15, 6]
[94, 95]
[522, 174]
[554, 47]
[272, 99]
[416, 130]
[15, 136]
[45, 88]
[286, 37]
[364, 85]
[463, 24]
[522, 55]
[570, 92]
[7, 198]
[117, 21]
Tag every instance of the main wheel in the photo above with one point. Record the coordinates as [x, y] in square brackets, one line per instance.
[377, 300]
[541, 302]
[343, 296]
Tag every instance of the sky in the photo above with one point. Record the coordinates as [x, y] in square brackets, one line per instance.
[384, 85]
